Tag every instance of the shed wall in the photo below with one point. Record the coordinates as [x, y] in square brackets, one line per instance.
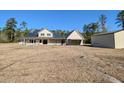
[103, 41]
[119, 39]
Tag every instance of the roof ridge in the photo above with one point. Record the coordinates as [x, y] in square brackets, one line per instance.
[102, 33]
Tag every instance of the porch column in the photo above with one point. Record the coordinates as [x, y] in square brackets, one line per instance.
[81, 42]
[33, 41]
[23, 41]
[66, 41]
[37, 41]
[42, 41]
[47, 41]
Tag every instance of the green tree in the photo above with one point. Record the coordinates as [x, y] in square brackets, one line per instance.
[10, 28]
[102, 20]
[120, 19]
[85, 28]
[18, 34]
[23, 25]
[24, 29]
[25, 33]
[93, 27]
[11, 24]
[89, 30]
[86, 33]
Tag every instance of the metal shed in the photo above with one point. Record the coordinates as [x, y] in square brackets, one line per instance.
[109, 40]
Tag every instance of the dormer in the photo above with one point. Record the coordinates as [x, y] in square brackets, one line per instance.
[45, 33]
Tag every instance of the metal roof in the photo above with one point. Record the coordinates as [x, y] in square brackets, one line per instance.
[57, 35]
[105, 33]
[34, 33]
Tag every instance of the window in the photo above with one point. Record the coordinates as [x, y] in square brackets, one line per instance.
[48, 34]
[42, 34]
[40, 41]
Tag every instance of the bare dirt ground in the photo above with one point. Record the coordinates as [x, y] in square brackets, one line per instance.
[60, 64]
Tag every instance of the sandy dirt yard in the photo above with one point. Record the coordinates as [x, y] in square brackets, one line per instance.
[20, 63]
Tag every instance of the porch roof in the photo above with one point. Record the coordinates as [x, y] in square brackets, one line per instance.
[40, 38]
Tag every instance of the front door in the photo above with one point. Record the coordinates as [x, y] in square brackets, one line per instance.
[62, 42]
[45, 41]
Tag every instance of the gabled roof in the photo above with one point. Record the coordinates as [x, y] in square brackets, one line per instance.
[105, 33]
[69, 33]
[34, 33]
[44, 29]
[77, 33]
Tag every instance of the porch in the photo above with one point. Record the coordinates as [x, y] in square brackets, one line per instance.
[42, 41]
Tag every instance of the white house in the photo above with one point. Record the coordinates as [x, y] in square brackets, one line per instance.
[110, 40]
[47, 37]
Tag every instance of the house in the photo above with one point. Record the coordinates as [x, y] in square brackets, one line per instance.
[46, 37]
[110, 39]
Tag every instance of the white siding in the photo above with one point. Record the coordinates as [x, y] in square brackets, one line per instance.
[119, 39]
[106, 40]
[45, 32]
[54, 41]
[74, 36]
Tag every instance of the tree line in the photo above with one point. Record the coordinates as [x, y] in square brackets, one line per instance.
[11, 33]
[14, 30]
[100, 26]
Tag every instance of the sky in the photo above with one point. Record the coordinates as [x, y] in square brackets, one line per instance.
[59, 19]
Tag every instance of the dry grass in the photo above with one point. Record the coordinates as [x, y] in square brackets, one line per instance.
[60, 64]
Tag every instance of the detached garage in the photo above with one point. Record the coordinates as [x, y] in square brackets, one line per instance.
[109, 40]
[74, 38]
